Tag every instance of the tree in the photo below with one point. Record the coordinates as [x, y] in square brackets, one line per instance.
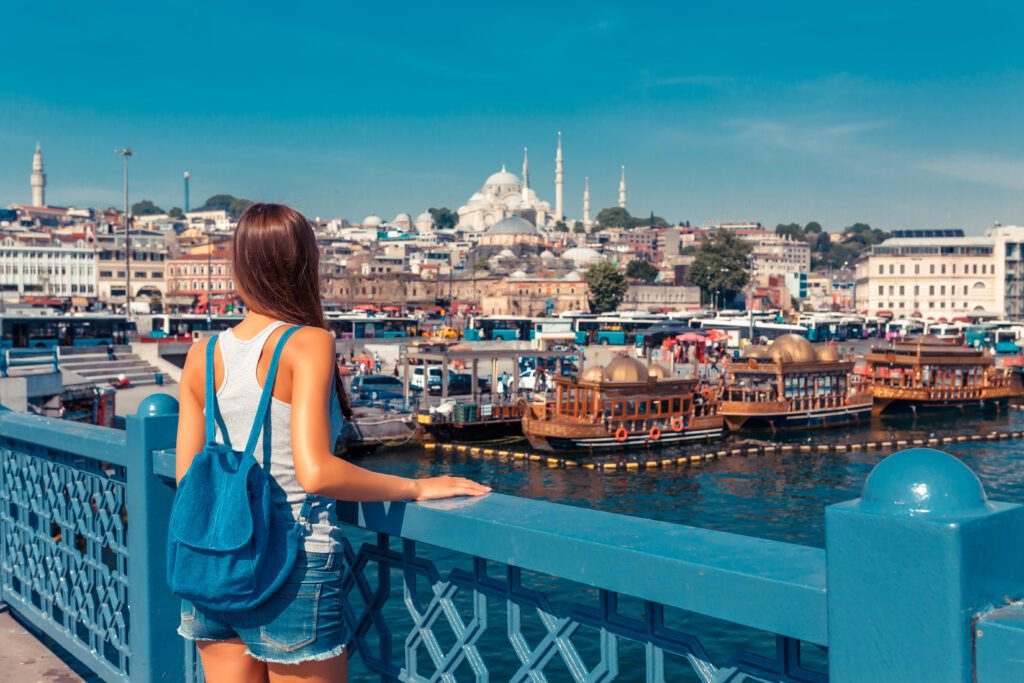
[560, 226]
[146, 208]
[578, 228]
[720, 266]
[813, 226]
[234, 206]
[607, 287]
[444, 218]
[613, 217]
[791, 230]
[176, 212]
[641, 270]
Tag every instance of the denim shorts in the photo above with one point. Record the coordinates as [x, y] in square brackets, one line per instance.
[302, 621]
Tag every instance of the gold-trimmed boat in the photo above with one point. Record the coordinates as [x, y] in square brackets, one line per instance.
[929, 374]
[623, 405]
[792, 383]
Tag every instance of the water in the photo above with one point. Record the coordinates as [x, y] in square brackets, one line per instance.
[780, 497]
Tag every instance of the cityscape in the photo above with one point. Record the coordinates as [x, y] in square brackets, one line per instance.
[669, 343]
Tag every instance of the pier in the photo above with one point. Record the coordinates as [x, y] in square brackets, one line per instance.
[919, 579]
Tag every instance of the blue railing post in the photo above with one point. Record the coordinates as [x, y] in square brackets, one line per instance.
[910, 564]
[156, 648]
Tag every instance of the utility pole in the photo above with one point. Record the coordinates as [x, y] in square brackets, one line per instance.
[125, 152]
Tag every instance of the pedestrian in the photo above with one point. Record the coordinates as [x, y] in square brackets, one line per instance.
[110, 352]
[255, 640]
[501, 387]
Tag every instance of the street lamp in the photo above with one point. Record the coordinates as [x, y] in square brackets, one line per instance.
[125, 152]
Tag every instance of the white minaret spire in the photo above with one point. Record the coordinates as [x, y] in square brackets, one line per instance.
[586, 204]
[622, 188]
[38, 178]
[559, 209]
[526, 177]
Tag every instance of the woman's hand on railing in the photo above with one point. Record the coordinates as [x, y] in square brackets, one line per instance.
[434, 488]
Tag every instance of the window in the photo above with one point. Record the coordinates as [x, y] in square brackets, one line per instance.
[917, 269]
[881, 269]
[901, 269]
[931, 290]
[931, 269]
[892, 269]
[901, 290]
[943, 268]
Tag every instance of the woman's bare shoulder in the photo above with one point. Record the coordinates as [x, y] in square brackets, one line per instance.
[312, 342]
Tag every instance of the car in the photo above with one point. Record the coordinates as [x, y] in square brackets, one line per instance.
[458, 383]
[447, 332]
[374, 387]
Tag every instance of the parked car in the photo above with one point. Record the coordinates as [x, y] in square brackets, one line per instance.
[374, 387]
[458, 383]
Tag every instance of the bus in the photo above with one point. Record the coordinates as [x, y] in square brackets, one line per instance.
[823, 328]
[49, 331]
[499, 328]
[182, 326]
[356, 326]
[613, 330]
[739, 328]
[902, 327]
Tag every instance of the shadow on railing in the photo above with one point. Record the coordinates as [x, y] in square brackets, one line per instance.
[503, 588]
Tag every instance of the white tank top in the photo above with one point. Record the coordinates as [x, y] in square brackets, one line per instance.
[238, 398]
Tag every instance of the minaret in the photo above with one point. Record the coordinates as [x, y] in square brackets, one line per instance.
[526, 177]
[188, 176]
[559, 209]
[586, 204]
[622, 189]
[38, 178]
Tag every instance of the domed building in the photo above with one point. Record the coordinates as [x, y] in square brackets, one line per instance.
[402, 220]
[513, 231]
[424, 222]
[581, 257]
[504, 194]
[373, 221]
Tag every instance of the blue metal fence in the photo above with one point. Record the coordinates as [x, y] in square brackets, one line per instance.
[917, 581]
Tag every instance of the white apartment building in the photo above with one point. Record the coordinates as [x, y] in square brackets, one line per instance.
[38, 264]
[148, 276]
[777, 255]
[930, 277]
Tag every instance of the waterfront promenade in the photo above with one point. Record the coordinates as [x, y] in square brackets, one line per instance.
[511, 588]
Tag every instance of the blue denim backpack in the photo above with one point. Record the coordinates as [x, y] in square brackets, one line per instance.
[228, 547]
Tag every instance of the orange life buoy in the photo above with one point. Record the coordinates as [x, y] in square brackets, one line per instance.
[677, 424]
[621, 434]
[655, 434]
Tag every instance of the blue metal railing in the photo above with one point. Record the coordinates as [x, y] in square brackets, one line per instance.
[916, 582]
[15, 358]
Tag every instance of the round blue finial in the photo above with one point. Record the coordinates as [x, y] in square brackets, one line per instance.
[923, 481]
[158, 404]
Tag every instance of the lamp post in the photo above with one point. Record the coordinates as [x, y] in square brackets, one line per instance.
[125, 152]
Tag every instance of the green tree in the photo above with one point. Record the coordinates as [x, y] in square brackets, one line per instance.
[791, 230]
[607, 287]
[813, 226]
[641, 270]
[176, 212]
[613, 217]
[444, 218]
[560, 226]
[146, 208]
[578, 228]
[234, 206]
[720, 267]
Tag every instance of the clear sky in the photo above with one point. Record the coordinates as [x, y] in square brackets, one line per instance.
[900, 114]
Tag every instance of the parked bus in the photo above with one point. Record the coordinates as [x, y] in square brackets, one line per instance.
[353, 326]
[182, 326]
[615, 330]
[739, 328]
[823, 328]
[902, 327]
[499, 328]
[49, 331]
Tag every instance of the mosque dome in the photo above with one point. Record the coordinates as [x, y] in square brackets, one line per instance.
[372, 221]
[502, 182]
[513, 225]
[581, 256]
[518, 275]
[506, 253]
[546, 254]
[402, 218]
[791, 348]
[425, 217]
[595, 373]
[627, 370]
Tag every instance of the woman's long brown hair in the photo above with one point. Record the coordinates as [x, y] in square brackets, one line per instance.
[276, 266]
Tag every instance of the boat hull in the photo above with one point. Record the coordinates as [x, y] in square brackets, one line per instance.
[551, 437]
[802, 419]
[888, 406]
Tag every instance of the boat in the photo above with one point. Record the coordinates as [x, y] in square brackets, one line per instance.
[927, 374]
[792, 383]
[623, 405]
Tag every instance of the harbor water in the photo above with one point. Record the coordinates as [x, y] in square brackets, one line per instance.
[774, 496]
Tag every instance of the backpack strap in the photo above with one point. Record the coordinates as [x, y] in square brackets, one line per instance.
[265, 396]
[211, 394]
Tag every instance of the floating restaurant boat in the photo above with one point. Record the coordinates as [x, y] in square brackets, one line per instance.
[926, 373]
[791, 383]
[623, 405]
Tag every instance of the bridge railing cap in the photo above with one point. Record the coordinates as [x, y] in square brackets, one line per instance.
[157, 404]
[923, 481]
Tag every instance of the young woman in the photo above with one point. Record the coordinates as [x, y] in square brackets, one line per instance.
[299, 633]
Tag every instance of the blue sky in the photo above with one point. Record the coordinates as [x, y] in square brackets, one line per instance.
[903, 115]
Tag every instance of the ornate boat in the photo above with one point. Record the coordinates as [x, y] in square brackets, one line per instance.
[791, 383]
[926, 373]
[623, 405]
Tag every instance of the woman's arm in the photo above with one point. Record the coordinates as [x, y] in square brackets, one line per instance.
[191, 421]
[310, 356]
